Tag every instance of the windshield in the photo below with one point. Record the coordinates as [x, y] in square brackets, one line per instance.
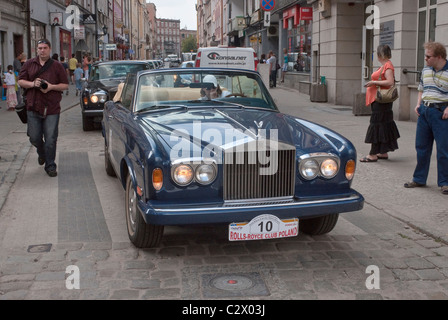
[111, 71]
[196, 87]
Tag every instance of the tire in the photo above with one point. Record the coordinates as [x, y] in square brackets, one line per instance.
[319, 225]
[141, 234]
[107, 164]
[87, 123]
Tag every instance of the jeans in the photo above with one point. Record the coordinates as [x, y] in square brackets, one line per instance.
[43, 134]
[431, 127]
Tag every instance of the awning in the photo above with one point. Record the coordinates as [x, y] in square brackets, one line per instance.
[81, 45]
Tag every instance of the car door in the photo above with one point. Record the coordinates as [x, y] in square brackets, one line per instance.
[119, 121]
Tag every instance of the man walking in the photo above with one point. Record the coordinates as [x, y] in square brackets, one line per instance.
[72, 67]
[272, 61]
[432, 123]
[45, 79]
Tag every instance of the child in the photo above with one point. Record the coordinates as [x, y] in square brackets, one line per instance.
[79, 73]
[10, 81]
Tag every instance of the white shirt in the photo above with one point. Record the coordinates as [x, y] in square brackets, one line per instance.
[10, 79]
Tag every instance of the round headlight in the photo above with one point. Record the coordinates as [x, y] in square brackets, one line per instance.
[205, 174]
[94, 99]
[329, 168]
[309, 169]
[183, 174]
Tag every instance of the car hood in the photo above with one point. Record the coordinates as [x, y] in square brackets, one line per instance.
[106, 84]
[228, 127]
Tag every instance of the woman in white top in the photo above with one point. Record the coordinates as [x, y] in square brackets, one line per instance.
[10, 81]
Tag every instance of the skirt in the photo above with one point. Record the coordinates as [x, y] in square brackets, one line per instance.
[382, 132]
[11, 97]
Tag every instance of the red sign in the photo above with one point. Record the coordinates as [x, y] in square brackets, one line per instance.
[306, 13]
[292, 12]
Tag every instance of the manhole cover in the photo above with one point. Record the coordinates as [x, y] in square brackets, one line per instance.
[36, 248]
[233, 285]
[232, 282]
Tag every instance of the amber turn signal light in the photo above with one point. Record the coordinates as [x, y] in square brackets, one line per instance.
[350, 169]
[157, 179]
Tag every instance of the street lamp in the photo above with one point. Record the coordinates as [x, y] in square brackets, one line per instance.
[247, 19]
[104, 41]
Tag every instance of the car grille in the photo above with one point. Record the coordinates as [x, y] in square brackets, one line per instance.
[246, 177]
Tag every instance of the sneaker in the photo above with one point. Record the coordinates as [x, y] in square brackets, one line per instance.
[41, 161]
[413, 184]
[52, 172]
[444, 189]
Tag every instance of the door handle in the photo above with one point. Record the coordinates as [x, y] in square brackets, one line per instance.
[366, 72]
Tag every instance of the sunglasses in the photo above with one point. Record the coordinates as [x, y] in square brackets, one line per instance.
[43, 42]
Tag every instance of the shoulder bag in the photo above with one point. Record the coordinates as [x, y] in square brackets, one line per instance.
[386, 95]
[21, 108]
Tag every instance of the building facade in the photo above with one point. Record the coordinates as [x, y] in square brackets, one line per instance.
[104, 29]
[331, 44]
[168, 37]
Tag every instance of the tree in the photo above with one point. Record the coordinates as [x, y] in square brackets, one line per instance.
[189, 44]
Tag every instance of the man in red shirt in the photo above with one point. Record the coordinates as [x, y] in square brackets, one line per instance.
[43, 96]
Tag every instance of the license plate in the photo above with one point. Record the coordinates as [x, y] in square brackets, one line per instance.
[262, 227]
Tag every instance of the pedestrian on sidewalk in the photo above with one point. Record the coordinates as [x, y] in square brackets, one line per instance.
[72, 66]
[432, 123]
[65, 65]
[382, 132]
[10, 82]
[79, 74]
[45, 80]
[285, 64]
[272, 61]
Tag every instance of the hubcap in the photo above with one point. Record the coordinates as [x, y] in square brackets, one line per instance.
[132, 210]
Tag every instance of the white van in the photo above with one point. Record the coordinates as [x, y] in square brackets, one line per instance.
[227, 57]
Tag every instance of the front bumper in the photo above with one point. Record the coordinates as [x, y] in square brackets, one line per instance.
[92, 113]
[163, 214]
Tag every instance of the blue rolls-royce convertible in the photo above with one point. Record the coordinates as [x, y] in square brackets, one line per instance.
[209, 146]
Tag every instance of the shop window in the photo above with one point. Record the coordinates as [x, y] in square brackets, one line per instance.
[37, 33]
[299, 47]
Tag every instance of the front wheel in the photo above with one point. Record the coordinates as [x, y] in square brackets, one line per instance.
[319, 225]
[141, 234]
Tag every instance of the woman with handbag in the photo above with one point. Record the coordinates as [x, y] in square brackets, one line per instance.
[382, 133]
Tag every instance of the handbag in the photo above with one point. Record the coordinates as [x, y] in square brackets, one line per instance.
[21, 111]
[386, 95]
[21, 108]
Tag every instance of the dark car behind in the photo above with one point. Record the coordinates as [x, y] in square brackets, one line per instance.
[102, 85]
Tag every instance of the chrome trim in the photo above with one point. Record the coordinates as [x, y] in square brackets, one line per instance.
[262, 205]
[245, 178]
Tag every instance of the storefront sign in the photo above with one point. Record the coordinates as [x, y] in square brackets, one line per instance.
[80, 33]
[56, 18]
[293, 13]
[387, 33]
[306, 13]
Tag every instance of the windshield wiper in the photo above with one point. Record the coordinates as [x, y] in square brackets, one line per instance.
[205, 101]
[159, 107]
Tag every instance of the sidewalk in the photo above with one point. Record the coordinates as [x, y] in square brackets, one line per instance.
[381, 183]
[14, 143]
